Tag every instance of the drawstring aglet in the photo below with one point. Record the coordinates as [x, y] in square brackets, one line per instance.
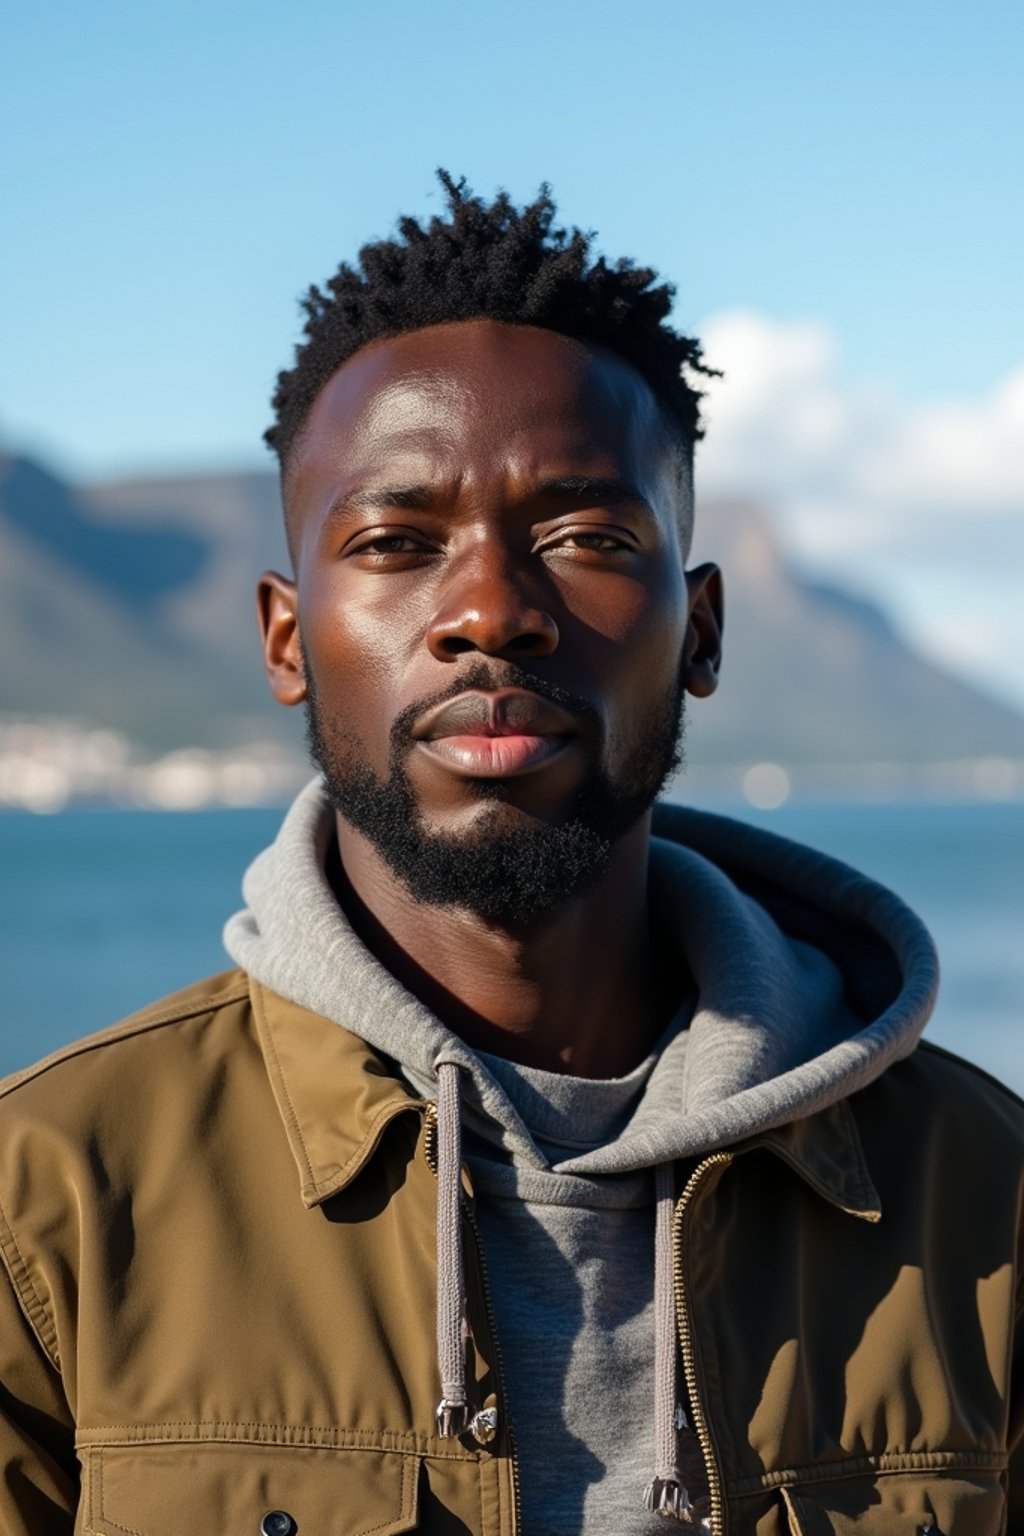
[665, 1496]
[455, 1419]
[452, 1419]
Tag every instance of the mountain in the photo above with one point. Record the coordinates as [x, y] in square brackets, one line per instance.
[130, 605]
[816, 675]
[134, 610]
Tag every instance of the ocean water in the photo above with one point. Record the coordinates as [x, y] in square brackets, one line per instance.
[102, 912]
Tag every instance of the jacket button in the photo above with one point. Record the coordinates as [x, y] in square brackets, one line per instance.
[484, 1426]
[277, 1522]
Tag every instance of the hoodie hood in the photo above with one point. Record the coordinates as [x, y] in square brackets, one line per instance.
[810, 980]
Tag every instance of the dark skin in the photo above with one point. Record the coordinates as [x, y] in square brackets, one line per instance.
[486, 492]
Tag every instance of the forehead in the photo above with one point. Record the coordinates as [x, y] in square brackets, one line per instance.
[474, 399]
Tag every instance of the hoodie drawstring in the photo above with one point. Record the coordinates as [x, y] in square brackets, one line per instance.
[453, 1410]
[666, 1494]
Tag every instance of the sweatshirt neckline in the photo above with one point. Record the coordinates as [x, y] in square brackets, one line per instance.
[568, 1115]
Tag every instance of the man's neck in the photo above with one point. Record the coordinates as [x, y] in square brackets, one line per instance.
[576, 992]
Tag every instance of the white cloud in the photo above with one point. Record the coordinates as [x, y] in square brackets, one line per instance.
[922, 503]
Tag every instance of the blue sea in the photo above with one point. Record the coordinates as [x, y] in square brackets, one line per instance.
[103, 911]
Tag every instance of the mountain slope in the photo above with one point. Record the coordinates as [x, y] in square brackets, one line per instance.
[813, 675]
[137, 623]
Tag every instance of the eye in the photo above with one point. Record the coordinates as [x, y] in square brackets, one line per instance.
[389, 544]
[600, 541]
[596, 541]
[380, 548]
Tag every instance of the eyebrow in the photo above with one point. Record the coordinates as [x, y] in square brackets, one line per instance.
[580, 490]
[415, 497]
[608, 490]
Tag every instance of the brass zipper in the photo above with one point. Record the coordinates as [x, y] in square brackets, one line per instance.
[430, 1153]
[700, 1423]
[499, 1363]
[430, 1137]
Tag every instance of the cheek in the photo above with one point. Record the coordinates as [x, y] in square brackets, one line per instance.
[634, 631]
[613, 609]
[357, 643]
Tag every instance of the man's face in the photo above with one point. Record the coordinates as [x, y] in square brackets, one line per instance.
[494, 629]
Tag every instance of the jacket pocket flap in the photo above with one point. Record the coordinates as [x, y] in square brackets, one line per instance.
[960, 1503]
[208, 1489]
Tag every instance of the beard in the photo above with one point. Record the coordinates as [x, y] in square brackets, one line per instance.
[508, 876]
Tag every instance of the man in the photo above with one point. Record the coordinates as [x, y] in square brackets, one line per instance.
[549, 1164]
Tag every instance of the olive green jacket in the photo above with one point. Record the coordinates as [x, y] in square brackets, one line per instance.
[218, 1227]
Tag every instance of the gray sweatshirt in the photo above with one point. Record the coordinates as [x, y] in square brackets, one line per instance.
[809, 980]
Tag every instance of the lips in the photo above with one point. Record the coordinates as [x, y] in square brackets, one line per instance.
[496, 735]
[507, 712]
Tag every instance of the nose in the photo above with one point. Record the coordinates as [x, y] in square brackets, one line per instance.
[489, 605]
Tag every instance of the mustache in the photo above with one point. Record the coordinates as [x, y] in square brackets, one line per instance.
[489, 678]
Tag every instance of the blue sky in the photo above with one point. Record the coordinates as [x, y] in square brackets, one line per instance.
[174, 176]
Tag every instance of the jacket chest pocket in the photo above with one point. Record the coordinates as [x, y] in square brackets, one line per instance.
[919, 1503]
[201, 1489]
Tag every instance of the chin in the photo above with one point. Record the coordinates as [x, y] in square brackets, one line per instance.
[488, 819]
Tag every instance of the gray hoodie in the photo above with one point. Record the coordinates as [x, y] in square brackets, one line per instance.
[809, 980]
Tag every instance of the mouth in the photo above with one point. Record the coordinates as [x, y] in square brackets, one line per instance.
[496, 735]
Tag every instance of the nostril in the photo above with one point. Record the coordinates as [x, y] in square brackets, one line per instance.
[515, 633]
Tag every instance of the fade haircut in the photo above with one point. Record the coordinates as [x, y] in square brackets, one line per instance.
[498, 262]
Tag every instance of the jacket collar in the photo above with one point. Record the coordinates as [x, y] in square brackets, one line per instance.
[827, 1152]
[336, 1096]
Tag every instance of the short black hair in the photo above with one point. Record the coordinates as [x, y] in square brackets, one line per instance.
[499, 262]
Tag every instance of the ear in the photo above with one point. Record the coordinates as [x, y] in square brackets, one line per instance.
[702, 653]
[277, 610]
